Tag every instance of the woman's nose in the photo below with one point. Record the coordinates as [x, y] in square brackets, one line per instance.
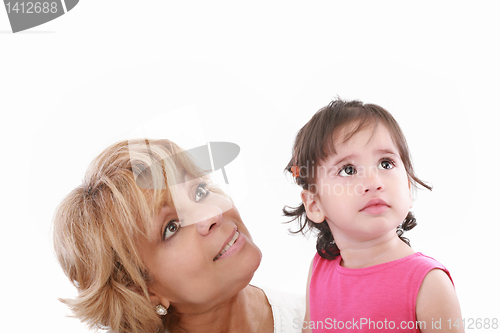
[207, 218]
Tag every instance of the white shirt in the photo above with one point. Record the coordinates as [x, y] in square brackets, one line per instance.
[288, 310]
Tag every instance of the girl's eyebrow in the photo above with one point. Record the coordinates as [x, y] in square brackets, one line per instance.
[386, 152]
[343, 159]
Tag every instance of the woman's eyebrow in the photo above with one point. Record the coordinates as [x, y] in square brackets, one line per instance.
[159, 220]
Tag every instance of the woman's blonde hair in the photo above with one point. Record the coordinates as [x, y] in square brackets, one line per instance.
[97, 225]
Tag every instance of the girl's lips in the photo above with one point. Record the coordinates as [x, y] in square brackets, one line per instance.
[375, 206]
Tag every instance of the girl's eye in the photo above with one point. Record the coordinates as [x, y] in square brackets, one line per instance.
[201, 192]
[386, 164]
[171, 228]
[347, 170]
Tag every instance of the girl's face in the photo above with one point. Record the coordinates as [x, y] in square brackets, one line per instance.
[363, 190]
[189, 273]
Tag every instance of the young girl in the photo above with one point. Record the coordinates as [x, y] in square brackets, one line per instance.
[353, 163]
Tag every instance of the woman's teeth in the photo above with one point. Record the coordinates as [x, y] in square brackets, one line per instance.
[228, 245]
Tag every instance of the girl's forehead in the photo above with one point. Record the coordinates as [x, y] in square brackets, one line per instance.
[352, 131]
[353, 137]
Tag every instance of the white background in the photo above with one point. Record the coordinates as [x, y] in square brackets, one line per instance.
[251, 74]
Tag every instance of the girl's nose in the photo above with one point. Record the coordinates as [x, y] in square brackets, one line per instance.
[373, 182]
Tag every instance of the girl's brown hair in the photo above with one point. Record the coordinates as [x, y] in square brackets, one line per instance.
[316, 141]
[97, 225]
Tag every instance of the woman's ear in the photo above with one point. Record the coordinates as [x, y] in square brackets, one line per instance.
[312, 206]
[155, 300]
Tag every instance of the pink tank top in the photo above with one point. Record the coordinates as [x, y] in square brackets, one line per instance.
[378, 298]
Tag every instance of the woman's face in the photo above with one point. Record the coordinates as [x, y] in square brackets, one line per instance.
[201, 252]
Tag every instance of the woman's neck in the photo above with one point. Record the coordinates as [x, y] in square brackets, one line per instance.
[359, 255]
[243, 313]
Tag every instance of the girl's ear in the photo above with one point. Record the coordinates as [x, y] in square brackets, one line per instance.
[411, 190]
[312, 206]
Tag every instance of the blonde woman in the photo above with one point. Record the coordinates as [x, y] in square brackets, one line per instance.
[152, 246]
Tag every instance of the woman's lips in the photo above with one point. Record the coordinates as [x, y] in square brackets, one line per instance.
[375, 206]
[229, 244]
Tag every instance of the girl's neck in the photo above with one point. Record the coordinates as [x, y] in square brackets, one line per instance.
[243, 313]
[359, 255]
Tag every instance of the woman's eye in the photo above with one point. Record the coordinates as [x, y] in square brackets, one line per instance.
[386, 164]
[171, 228]
[201, 192]
[347, 170]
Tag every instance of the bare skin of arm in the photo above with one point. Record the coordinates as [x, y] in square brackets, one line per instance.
[307, 318]
[437, 304]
